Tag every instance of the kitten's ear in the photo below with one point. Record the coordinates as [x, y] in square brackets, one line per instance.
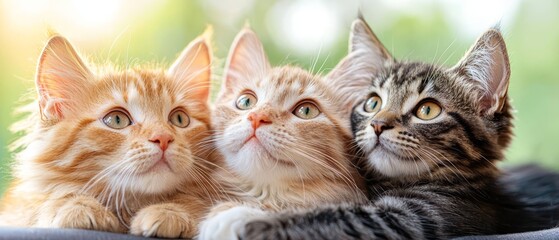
[61, 74]
[353, 75]
[363, 39]
[193, 68]
[246, 60]
[486, 64]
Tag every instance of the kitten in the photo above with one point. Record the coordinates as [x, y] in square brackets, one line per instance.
[430, 138]
[285, 136]
[109, 150]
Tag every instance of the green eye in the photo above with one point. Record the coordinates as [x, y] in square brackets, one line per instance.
[179, 118]
[428, 110]
[306, 110]
[117, 119]
[246, 101]
[372, 104]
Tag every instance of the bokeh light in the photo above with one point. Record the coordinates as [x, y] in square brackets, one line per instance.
[304, 26]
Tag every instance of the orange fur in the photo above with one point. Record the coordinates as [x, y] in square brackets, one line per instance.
[73, 171]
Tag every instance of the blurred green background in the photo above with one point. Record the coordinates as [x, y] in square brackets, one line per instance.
[305, 32]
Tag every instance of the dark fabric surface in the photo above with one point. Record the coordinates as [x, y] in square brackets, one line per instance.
[63, 234]
[537, 235]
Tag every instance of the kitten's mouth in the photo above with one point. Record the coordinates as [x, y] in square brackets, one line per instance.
[379, 146]
[252, 137]
[255, 139]
[160, 165]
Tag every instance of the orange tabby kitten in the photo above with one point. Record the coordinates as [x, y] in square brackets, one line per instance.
[285, 136]
[115, 150]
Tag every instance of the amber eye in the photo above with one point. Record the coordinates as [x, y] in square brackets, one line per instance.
[179, 118]
[246, 101]
[306, 110]
[117, 119]
[428, 110]
[372, 105]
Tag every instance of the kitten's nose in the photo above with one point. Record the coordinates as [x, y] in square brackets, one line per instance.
[162, 139]
[257, 118]
[380, 126]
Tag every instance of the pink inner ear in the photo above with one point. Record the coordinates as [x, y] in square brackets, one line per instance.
[487, 66]
[50, 108]
[499, 77]
[247, 59]
[486, 103]
[61, 74]
[199, 75]
[193, 69]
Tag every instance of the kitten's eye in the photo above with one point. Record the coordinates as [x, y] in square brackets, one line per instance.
[179, 118]
[306, 110]
[117, 119]
[372, 104]
[246, 101]
[428, 110]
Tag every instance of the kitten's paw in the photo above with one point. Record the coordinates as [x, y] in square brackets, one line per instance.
[83, 213]
[163, 221]
[228, 224]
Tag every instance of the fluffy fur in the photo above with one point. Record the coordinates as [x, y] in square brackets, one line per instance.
[427, 178]
[150, 178]
[279, 160]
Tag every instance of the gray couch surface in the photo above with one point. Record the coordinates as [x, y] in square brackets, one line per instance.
[66, 234]
[9, 233]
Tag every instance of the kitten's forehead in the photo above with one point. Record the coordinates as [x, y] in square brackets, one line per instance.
[403, 80]
[416, 77]
[286, 85]
[147, 85]
[142, 93]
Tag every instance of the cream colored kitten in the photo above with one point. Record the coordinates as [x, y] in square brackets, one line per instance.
[285, 136]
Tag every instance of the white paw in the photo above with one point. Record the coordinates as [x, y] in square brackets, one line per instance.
[228, 224]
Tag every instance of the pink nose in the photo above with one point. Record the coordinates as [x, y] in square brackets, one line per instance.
[257, 119]
[380, 126]
[163, 140]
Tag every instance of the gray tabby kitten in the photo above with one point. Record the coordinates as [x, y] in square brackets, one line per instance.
[429, 139]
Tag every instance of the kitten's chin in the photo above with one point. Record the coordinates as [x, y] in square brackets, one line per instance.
[255, 163]
[254, 149]
[394, 166]
[155, 183]
[159, 178]
[161, 166]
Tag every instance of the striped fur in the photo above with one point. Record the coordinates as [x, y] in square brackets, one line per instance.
[427, 179]
[287, 161]
[73, 171]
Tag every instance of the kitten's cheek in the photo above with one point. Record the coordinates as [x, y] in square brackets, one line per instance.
[180, 162]
[369, 142]
[235, 137]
